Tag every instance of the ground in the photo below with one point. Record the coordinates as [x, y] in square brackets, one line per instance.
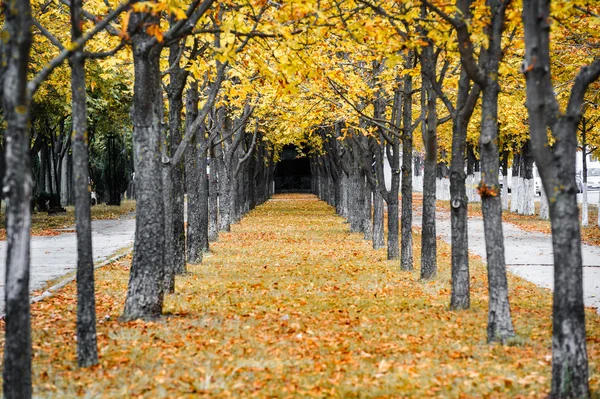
[43, 224]
[289, 304]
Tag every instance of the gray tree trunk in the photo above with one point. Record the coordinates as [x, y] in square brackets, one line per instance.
[460, 294]
[557, 170]
[145, 291]
[192, 180]
[213, 206]
[177, 78]
[87, 349]
[17, 189]
[203, 193]
[378, 234]
[406, 255]
[367, 210]
[429, 129]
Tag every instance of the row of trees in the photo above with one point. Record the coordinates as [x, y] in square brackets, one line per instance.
[224, 86]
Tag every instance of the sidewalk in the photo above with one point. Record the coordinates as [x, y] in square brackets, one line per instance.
[528, 254]
[55, 256]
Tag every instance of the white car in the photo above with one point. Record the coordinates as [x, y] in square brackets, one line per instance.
[593, 179]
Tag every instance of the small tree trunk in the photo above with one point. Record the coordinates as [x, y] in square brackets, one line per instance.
[514, 201]
[367, 219]
[378, 235]
[544, 208]
[203, 200]
[224, 197]
[87, 350]
[499, 320]
[584, 203]
[406, 257]
[192, 181]
[213, 205]
[460, 295]
[429, 126]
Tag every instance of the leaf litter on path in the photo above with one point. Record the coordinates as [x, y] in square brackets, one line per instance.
[290, 304]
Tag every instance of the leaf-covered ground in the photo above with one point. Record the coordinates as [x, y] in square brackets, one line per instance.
[290, 304]
[43, 224]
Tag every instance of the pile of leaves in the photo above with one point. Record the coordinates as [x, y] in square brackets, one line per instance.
[43, 224]
[290, 304]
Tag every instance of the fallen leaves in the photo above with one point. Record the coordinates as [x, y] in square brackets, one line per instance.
[326, 317]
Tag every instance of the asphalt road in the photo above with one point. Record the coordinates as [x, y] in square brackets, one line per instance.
[55, 256]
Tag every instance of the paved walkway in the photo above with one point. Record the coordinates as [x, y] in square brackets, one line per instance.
[528, 254]
[55, 256]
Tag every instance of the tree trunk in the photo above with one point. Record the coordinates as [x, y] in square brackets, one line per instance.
[213, 206]
[192, 181]
[392, 203]
[177, 79]
[87, 349]
[406, 257]
[500, 325]
[504, 194]
[428, 235]
[17, 190]
[557, 170]
[203, 194]
[145, 290]
[516, 191]
[584, 202]
[429, 130]
[527, 205]
[460, 295]
[378, 235]
[367, 210]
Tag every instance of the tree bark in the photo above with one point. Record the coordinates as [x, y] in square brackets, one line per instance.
[145, 291]
[557, 170]
[213, 206]
[87, 349]
[460, 294]
[429, 127]
[500, 326]
[192, 180]
[177, 80]
[406, 253]
[17, 191]
[429, 130]
[378, 235]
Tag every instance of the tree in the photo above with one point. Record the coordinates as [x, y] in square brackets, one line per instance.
[557, 170]
[484, 73]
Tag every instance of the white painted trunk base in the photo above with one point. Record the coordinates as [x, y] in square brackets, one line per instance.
[504, 194]
[417, 184]
[544, 209]
[443, 189]
[528, 206]
[584, 208]
[517, 184]
[472, 184]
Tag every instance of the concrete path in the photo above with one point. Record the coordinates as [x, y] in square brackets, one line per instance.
[52, 257]
[528, 254]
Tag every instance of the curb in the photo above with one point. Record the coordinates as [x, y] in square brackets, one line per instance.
[51, 290]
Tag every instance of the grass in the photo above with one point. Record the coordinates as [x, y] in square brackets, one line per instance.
[43, 224]
[289, 304]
